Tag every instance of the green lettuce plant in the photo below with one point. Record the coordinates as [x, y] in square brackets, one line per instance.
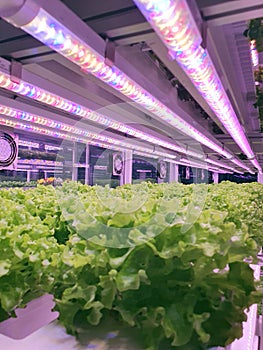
[168, 260]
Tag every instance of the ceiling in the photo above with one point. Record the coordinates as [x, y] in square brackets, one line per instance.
[141, 54]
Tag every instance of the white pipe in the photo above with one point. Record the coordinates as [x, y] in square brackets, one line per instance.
[10, 7]
[20, 12]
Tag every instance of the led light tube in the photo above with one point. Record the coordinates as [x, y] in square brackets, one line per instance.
[145, 155]
[40, 162]
[220, 171]
[28, 143]
[211, 161]
[186, 162]
[200, 164]
[56, 134]
[44, 96]
[52, 33]
[36, 93]
[223, 165]
[36, 145]
[36, 119]
[52, 148]
[66, 136]
[27, 89]
[195, 61]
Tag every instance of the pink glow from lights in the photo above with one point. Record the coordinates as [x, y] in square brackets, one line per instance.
[220, 171]
[187, 162]
[223, 165]
[196, 62]
[26, 89]
[52, 148]
[46, 97]
[167, 15]
[211, 161]
[21, 115]
[40, 162]
[193, 163]
[43, 131]
[204, 166]
[145, 155]
[28, 144]
[49, 31]
[10, 112]
[36, 145]
[253, 53]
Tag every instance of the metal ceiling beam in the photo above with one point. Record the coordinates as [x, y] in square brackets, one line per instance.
[218, 13]
[99, 8]
[103, 24]
[24, 42]
[33, 55]
[133, 39]
[114, 18]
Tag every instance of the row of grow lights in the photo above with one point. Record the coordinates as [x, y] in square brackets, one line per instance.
[52, 33]
[44, 96]
[35, 92]
[174, 23]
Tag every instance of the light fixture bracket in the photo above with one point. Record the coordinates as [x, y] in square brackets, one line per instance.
[109, 53]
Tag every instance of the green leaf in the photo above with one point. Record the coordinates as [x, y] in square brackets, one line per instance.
[78, 292]
[126, 281]
[178, 271]
[4, 267]
[109, 291]
[95, 315]
[177, 325]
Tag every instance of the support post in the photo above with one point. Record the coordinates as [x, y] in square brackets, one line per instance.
[87, 166]
[74, 163]
[28, 175]
[215, 178]
[126, 177]
[174, 173]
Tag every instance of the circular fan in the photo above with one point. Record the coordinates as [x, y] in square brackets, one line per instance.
[162, 170]
[8, 150]
[117, 164]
